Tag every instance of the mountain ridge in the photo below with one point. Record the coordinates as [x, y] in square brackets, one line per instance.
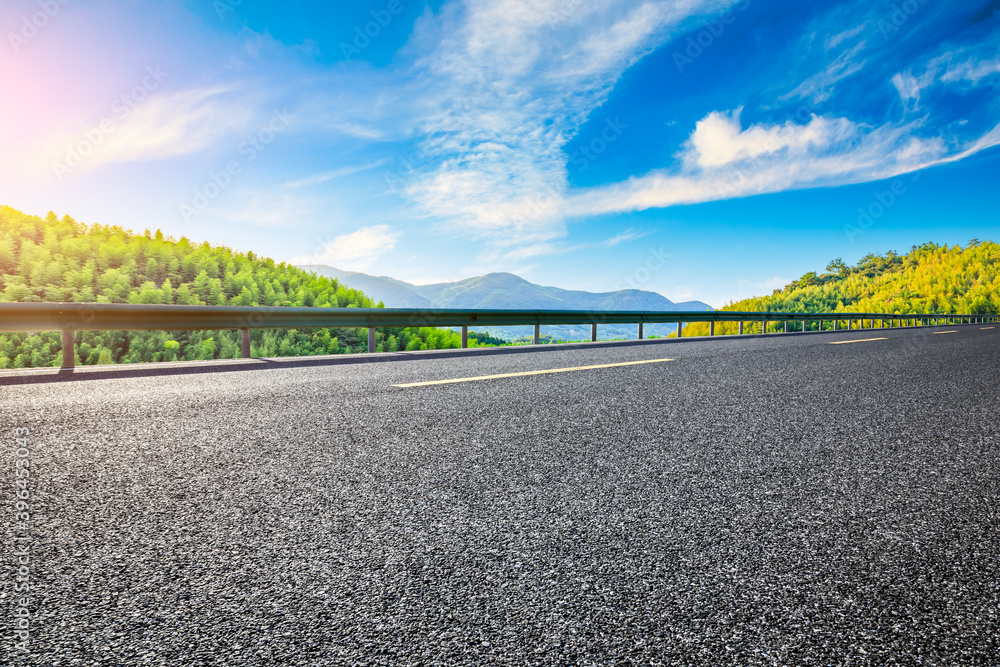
[508, 291]
[499, 290]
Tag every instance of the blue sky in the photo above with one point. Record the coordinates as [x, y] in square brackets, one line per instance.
[703, 149]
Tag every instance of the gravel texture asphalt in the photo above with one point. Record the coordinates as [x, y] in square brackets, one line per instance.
[773, 501]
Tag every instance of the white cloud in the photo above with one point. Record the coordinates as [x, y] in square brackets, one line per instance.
[330, 175]
[968, 64]
[513, 82]
[627, 235]
[832, 42]
[972, 70]
[356, 251]
[718, 139]
[168, 125]
[683, 293]
[771, 158]
[819, 86]
[908, 87]
[265, 208]
[557, 248]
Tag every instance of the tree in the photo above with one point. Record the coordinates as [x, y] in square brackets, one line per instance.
[837, 267]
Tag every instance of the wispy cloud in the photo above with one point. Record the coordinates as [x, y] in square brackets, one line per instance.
[835, 40]
[514, 83]
[355, 251]
[972, 70]
[818, 87]
[266, 208]
[966, 65]
[330, 175]
[627, 235]
[178, 123]
[773, 158]
[559, 248]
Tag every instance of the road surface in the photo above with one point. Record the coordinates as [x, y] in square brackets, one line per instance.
[777, 500]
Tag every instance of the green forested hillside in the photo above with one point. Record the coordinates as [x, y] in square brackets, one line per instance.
[928, 279]
[56, 259]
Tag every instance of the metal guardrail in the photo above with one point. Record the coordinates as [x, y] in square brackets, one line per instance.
[71, 317]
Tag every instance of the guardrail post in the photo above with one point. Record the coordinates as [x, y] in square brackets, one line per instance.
[786, 326]
[68, 349]
[245, 343]
[593, 332]
[538, 334]
[371, 339]
[763, 326]
[711, 328]
[640, 330]
[465, 335]
[741, 327]
[835, 325]
[680, 329]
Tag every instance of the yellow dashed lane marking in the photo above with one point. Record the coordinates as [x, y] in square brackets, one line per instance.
[987, 327]
[941, 332]
[860, 340]
[522, 374]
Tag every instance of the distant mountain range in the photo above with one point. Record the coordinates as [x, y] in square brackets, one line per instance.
[508, 291]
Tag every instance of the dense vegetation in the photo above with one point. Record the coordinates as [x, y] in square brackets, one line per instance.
[56, 259]
[928, 279]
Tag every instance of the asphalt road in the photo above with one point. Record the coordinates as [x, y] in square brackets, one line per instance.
[775, 500]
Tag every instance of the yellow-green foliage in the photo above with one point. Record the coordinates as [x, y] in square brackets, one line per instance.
[928, 279]
[63, 260]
